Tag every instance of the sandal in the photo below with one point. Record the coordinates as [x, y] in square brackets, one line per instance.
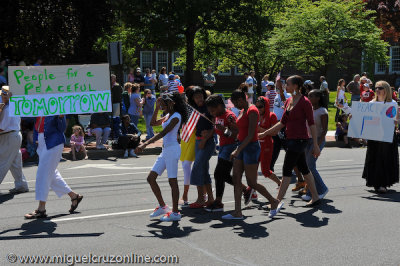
[78, 199]
[36, 214]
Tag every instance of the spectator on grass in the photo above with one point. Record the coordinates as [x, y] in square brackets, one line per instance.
[354, 88]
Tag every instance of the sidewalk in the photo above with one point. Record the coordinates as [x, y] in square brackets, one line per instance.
[155, 149]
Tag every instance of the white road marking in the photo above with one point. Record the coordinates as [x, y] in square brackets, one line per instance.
[109, 167]
[91, 176]
[336, 161]
[105, 215]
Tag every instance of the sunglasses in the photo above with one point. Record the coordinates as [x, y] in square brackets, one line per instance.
[166, 96]
[380, 88]
[260, 106]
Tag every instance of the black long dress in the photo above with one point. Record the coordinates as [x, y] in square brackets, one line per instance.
[381, 167]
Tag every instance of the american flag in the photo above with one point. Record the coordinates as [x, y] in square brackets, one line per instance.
[187, 129]
[278, 77]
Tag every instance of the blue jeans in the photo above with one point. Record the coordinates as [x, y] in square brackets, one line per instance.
[200, 172]
[226, 150]
[134, 119]
[355, 98]
[149, 129]
[312, 165]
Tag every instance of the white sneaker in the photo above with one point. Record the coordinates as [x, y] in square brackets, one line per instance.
[171, 216]
[133, 154]
[160, 211]
[324, 194]
[126, 154]
[306, 198]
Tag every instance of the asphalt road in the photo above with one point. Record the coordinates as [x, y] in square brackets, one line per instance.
[352, 227]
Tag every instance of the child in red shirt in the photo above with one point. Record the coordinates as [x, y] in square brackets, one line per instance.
[267, 120]
[367, 94]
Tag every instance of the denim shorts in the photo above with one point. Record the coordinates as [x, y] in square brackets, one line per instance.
[226, 150]
[200, 175]
[250, 154]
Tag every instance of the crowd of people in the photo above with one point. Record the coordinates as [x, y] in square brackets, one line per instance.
[249, 130]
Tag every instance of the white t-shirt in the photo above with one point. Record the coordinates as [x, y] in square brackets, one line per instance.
[317, 119]
[264, 86]
[279, 104]
[251, 81]
[163, 79]
[341, 95]
[7, 122]
[170, 139]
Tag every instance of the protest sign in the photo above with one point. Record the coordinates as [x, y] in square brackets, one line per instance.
[372, 121]
[59, 90]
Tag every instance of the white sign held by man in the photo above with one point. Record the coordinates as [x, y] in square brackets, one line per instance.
[373, 121]
[59, 90]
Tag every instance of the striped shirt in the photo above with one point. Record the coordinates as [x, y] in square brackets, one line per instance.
[172, 86]
[271, 94]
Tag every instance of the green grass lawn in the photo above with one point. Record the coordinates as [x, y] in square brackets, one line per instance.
[331, 111]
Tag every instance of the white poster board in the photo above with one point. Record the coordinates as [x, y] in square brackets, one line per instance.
[59, 90]
[372, 121]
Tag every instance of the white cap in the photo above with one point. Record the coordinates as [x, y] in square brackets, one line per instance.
[270, 83]
[366, 85]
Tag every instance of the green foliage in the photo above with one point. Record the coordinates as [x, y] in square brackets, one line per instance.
[319, 34]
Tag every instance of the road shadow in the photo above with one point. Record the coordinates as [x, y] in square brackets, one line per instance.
[308, 219]
[391, 196]
[168, 230]
[200, 216]
[6, 197]
[41, 228]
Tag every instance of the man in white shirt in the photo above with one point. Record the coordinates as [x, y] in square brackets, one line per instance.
[252, 83]
[325, 92]
[10, 144]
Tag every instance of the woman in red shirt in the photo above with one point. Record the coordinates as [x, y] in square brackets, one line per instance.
[298, 111]
[246, 155]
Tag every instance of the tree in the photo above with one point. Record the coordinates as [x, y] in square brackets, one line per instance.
[317, 35]
[387, 17]
[59, 31]
[174, 24]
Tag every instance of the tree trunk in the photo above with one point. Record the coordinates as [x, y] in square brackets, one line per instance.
[190, 34]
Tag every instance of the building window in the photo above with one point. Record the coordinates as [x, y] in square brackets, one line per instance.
[239, 71]
[380, 68]
[146, 60]
[394, 59]
[176, 69]
[225, 73]
[161, 60]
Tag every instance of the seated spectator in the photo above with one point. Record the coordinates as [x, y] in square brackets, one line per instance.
[77, 142]
[100, 125]
[128, 136]
[341, 130]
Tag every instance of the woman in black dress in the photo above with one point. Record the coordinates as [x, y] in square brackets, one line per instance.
[381, 169]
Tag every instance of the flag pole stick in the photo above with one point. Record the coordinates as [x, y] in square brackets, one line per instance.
[205, 117]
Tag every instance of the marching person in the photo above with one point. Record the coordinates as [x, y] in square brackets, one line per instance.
[49, 133]
[246, 156]
[10, 143]
[176, 113]
[381, 168]
[298, 111]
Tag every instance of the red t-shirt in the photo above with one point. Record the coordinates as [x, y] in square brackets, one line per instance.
[243, 123]
[224, 120]
[39, 128]
[295, 119]
[367, 96]
[268, 121]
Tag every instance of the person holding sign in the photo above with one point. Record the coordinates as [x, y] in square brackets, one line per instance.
[49, 133]
[381, 168]
[10, 143]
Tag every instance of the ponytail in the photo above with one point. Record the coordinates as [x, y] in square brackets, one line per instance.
[299, 81]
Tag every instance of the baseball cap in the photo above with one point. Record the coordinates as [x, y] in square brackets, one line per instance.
[364, 78]
[366, 85]
[270, 83]
[138, 69]
[308, 82]
[5, 90]
[171, 76]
